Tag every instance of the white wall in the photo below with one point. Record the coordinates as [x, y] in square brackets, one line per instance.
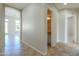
[34, 27]
[61, 26]
[54, 25]
[1, 25]
[78, 25]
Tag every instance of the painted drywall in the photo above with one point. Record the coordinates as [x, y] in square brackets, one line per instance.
[54, 25]
[1, 25]
[77, 25]
[61, 26]
[34, 27]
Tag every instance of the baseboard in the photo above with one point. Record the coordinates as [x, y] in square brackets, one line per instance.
[34, 48]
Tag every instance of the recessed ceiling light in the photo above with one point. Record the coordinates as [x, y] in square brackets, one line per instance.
[65, 3]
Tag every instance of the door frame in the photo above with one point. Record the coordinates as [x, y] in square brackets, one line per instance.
[4, 5]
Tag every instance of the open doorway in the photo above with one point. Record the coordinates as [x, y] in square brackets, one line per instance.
[49, 13]
[12, 29]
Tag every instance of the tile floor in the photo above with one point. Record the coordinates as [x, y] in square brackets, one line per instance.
[64, 50]
[13, 47]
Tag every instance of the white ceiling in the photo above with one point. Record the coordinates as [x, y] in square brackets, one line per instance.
[69, 5]
[58, 5]
[18, 5]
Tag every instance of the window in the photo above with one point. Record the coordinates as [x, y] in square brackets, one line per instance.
[6, 26]
[17, 25]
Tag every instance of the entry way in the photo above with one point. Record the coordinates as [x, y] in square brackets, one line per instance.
[12, 28]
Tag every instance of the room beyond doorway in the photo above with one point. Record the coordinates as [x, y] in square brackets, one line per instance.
[12, 29]
[49, 26]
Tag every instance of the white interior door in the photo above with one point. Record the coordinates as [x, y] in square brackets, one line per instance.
[71, 29]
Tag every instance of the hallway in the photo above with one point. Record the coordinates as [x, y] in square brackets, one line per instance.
[32, 22]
